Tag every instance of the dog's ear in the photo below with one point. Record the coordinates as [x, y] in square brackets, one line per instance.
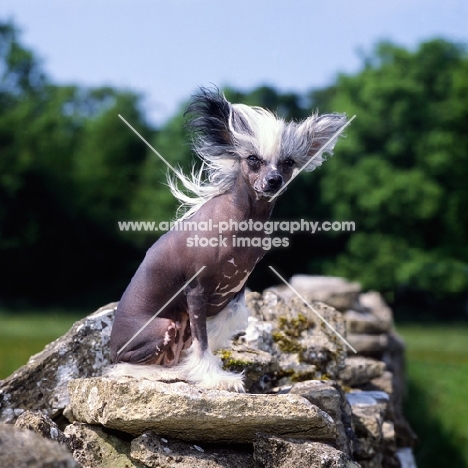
[208, 117]
[313, 133]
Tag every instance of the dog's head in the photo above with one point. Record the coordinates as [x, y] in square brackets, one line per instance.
[265, 150]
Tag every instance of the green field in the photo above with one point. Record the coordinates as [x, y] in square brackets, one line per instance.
[437, 361]
[24, 334]
[437, 402]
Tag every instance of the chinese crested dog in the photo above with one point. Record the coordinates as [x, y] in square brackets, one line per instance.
[186, 302]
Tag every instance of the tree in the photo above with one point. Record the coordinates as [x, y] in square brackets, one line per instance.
[402, 171]
[65, 172]
[70, 169]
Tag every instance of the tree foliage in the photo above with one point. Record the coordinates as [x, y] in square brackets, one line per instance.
[70, 169]
[402, 173]
[66, 174]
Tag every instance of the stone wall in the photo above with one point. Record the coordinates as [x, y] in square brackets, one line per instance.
[311, 401]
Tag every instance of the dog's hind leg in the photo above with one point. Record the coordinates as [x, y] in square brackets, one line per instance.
[154, 351]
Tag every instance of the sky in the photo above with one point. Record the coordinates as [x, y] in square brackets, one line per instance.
[166, 49]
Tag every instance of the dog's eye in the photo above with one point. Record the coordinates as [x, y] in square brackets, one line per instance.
[254, 161]
[288, 162]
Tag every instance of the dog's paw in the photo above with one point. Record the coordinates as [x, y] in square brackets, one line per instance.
[223, 380]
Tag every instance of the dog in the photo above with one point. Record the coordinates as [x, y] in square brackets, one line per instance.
[185, 302]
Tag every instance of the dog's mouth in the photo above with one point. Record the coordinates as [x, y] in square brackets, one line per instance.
[269, 187]
[268, 193]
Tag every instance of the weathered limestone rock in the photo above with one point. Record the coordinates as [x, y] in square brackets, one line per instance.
[21, 448]
[389, 447]
[395, 358]
[304, 346]
[334, 291]
[42, 383]
[369, 345]
[384, 383]
[296, 371]
[327, 395]
[388, 347]
[276, 452]
[368, 409]
[92, 447]
[154, 451]
[41, 424]
[188, 413]
[374, 303]
[321, 393]
[260, 368]
[360, 370]
[371, 315]
[366, 323]
[376, 444]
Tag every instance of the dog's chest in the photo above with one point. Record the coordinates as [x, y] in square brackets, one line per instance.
[231, 278]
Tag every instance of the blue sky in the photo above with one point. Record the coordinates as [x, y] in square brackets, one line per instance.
[166, 49]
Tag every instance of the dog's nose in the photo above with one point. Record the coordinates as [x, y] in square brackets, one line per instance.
[274, 181]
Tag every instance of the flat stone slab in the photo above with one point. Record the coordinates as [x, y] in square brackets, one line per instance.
[188, 413]
[360, 370]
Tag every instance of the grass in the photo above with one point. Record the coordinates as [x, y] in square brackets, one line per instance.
[437, 369]
[437, 400]
[25, 334]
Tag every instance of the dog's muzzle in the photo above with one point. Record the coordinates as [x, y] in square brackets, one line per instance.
[273, 182]
[269, 185]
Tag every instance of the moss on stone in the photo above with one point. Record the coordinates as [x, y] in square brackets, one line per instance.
[303, 376]
[229, 361]
[285, 343]
[289, 331]
[294, 326]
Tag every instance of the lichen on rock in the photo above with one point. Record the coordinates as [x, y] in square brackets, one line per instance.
[305, 347]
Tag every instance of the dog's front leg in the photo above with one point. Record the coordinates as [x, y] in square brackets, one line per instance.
[201, 366]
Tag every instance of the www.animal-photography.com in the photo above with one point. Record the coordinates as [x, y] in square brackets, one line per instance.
[232, 234]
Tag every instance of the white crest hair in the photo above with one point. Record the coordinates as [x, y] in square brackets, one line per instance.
[225, 133]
